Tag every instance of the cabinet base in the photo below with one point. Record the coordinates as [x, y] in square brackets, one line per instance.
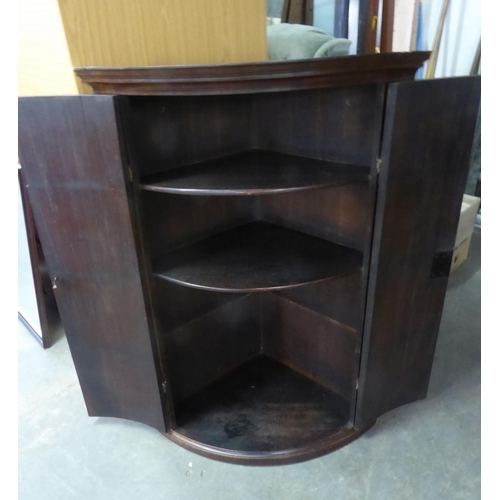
[282, 457]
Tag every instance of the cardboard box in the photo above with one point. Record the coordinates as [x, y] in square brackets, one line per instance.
[468, 212]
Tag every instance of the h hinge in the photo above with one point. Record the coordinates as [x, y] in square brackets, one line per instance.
[441, 264]
[357, 384]
[130, 175]
[379, 164]
[164, 386]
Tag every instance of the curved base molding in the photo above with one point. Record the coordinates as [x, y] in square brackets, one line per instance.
[282, 457]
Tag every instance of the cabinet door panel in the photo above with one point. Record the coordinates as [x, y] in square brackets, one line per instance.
[428, 132]
[70, 154]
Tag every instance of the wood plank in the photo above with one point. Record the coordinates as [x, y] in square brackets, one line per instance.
[70, 153]
[368, 23]
[170, 32]
[387, 32]
[257, 257]
[255, 172]
[428, 133]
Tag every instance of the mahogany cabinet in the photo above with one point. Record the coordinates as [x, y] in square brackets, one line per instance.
[252, 259]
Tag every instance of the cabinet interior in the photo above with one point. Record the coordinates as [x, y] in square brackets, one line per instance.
[256, 215]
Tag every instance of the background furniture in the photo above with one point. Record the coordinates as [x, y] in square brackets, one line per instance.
[252, 259]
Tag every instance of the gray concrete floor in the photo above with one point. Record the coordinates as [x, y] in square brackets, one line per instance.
[427, 450]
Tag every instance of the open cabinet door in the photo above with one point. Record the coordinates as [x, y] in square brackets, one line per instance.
[72, 164]
[428, 132]
[37, 307]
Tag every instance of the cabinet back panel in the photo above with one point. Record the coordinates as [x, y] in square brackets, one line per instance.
[339, 214]
[339, 124]
[204, 349]
[169, 132]
[340, 300]
[174, 221]
[312, 344]
[201, 351]
[177, 304]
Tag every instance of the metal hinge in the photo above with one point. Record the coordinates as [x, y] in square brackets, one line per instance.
[164, 386]
[379, 164]
[357, 384]
[131, 177]
[441, 264]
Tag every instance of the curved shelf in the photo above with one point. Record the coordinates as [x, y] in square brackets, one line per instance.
[254, 77]
[262, 413]
[257, 257]
[255, 172]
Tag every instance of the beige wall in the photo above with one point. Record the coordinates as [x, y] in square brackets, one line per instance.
[44, 65]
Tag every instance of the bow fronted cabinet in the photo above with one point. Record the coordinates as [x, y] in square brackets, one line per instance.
[252, 258]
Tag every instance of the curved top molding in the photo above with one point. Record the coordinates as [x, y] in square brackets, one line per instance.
[254, 77]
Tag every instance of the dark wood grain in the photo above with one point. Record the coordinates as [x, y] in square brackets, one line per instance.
[170, 132]
[255, 77]
[268, 377]
[257, 257]
[262, 406]
[428, 135]
[211, 345]
[167, 132]
[339, 215]
[337, 124]
[387, 30]
[50, 320]
[70, 153]
[178, 305]
[368, 23]
[314, 345]
[172, 222]
[340, 300]
[307, 452]
[255, 172]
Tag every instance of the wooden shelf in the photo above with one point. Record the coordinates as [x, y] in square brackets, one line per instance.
[257, 257]
[262, 406]
[255, 172]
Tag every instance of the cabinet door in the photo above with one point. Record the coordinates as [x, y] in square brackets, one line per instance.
[427, 139]
[70, 154]
[37, 307]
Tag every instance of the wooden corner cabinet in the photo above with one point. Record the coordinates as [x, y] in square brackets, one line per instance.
[252, 258]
